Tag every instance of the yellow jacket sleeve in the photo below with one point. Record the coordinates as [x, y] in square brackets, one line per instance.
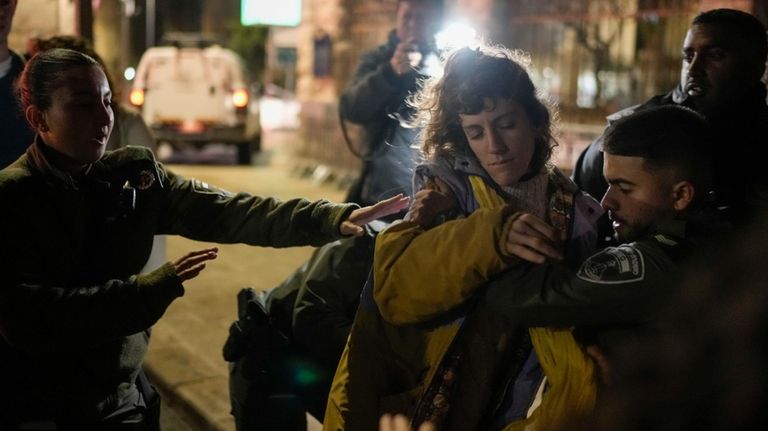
[420, 274]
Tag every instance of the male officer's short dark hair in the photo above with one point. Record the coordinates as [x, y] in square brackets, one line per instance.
[667, 137]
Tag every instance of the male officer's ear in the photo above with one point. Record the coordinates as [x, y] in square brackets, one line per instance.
[683, 194]
[36, 118]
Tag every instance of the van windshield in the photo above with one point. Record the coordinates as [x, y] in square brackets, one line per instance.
[191, 67]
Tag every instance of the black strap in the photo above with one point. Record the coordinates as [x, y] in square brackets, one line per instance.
[148, 392]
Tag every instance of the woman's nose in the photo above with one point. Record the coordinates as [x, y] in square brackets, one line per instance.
[495, 143]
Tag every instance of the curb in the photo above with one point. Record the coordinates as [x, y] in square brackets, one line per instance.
[187, 382]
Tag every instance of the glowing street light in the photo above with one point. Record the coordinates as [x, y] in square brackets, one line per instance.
[455, 35]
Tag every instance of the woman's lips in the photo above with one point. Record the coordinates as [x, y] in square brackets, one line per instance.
[502, 162]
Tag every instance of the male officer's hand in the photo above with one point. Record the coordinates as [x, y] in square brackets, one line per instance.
[189, 266]
[532, 239]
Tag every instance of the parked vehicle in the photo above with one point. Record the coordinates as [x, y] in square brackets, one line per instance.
[193, 94]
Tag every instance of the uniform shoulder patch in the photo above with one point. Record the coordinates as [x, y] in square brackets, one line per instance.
[614, 265]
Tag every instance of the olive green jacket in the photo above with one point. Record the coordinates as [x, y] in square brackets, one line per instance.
[71, 305]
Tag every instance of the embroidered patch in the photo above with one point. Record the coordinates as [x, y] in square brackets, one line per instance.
[202, 186]
[145, 180]
[614, 265]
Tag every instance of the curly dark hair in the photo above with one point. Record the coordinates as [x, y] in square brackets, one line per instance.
[472, 76]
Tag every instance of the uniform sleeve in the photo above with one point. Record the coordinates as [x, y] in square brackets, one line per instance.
[374, 86]
[617, 285]
[329, 295]
[38, 317]
[198, 211]
[421, 274]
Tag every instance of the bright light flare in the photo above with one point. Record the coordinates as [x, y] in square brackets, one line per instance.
[136, 97]
[455, 35]
[240, 98]
[129, 73]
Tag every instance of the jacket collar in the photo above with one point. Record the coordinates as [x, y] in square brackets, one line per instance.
[38, 155]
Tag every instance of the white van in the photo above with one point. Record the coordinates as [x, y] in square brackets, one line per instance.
[198, 95]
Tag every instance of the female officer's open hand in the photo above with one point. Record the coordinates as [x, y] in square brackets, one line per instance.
[189, 266]
[353, 225]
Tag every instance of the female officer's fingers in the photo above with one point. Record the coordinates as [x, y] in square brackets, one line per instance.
[348, 228]
[191, 273]
[195, 258]
[383, 208]
[195, 253]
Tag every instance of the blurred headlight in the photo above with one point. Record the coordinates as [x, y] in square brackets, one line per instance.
[240, 98]
[137, 97]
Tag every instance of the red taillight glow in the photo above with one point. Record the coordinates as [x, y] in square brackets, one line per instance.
[137, 97]
[240, 98]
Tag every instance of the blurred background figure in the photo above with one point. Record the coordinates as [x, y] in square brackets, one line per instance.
[375, 99]
[15, 133]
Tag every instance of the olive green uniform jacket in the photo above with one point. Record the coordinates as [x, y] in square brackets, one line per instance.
[72, 308]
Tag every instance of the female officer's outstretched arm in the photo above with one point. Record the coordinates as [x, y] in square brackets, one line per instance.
[199, 211]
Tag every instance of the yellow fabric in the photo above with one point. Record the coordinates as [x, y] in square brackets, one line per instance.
[376, 351]
[405, 256]
[570, 372]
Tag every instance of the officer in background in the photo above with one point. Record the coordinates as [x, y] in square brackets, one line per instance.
[15, 134]
[376, 100]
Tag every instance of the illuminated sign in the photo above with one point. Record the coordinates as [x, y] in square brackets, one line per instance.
[270, 12]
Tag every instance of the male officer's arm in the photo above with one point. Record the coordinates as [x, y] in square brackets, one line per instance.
[622, 284]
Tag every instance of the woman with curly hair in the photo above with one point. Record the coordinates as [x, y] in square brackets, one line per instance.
[420, 344]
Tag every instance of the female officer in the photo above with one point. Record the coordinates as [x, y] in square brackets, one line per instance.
[77, 225]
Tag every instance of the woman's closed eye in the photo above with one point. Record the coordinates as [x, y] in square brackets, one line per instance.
[473, 132]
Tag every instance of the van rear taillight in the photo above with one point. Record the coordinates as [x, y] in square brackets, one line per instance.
[240, 98]
[137, 97]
